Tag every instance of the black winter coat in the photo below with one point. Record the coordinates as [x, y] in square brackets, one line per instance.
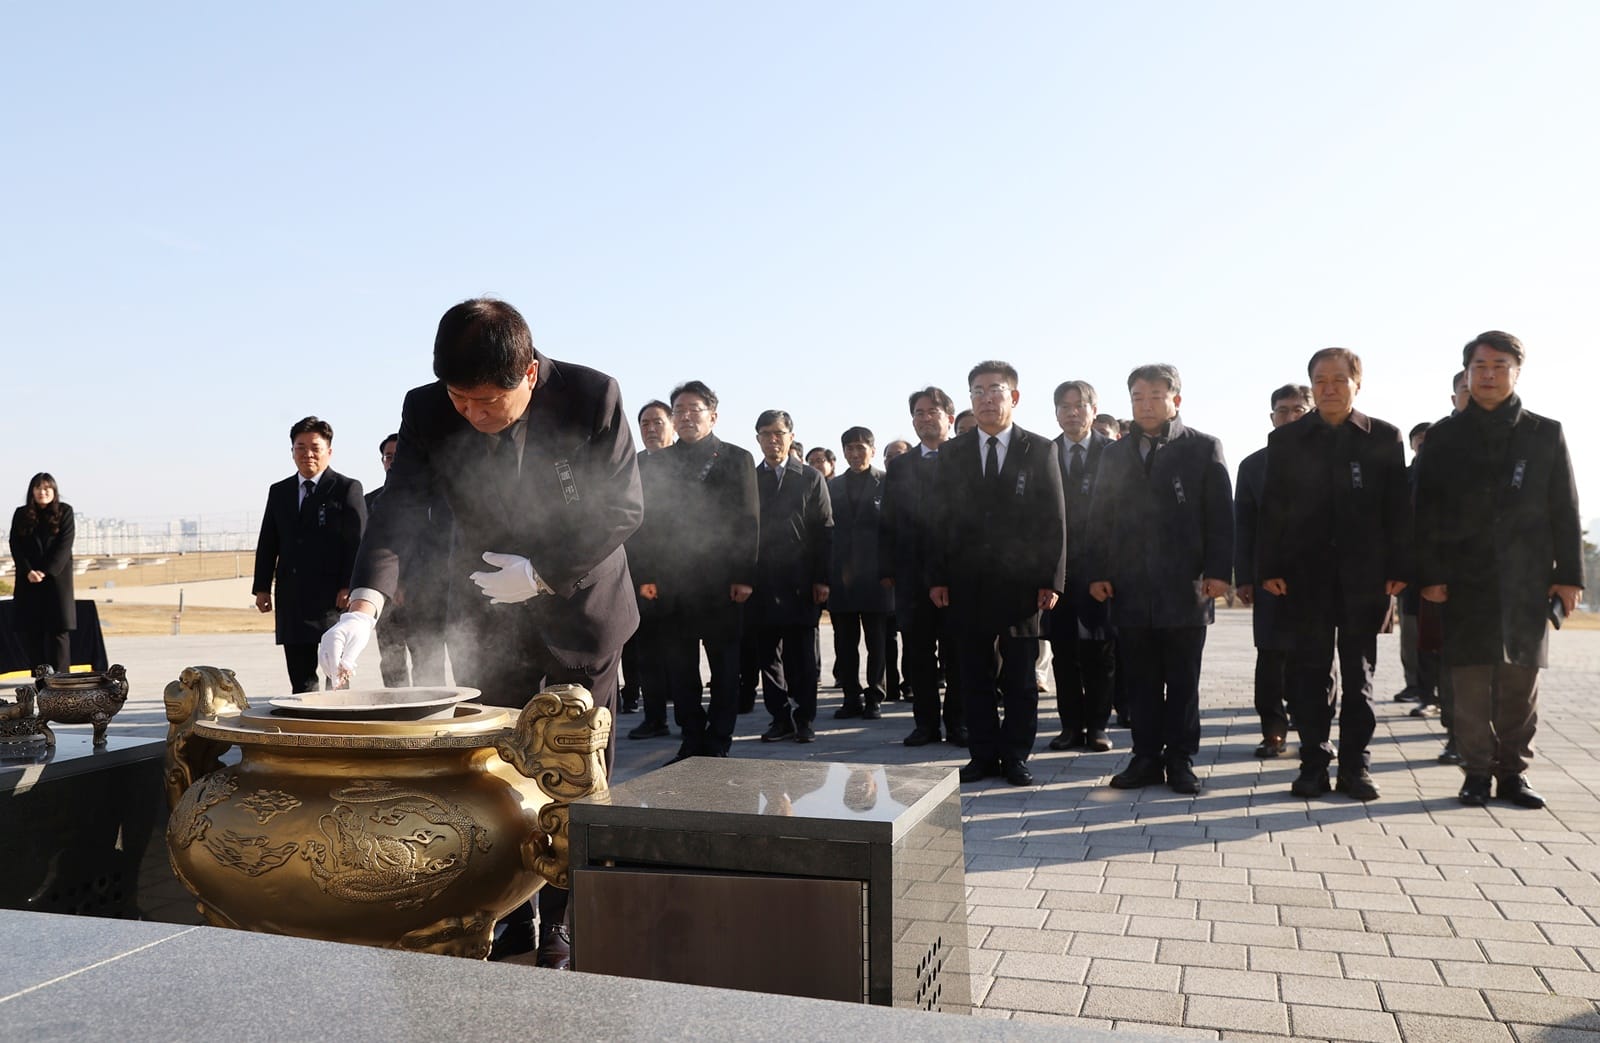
[855, 578]
[46, 606]
[305, 553]
[795, 546]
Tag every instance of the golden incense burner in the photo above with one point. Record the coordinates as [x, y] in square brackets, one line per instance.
[357, 827]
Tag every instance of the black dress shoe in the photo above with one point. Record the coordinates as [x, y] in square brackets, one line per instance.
[1475, 791]
[1425, 710]
[1356, 784]
[1449, 755]
[871, 713]
[976, 770]
[1067, 741]
[555, 947]
[1099, 742]
[1181, 777]
[1271, 746]
[1017, 773]
[779, 731]
[629, 706]
[648, 729]
[804, 733]
[957, 737]
[847, 711]
[1515, 788]
[1141, 771]
[921, 737]
[1406, 695]
[1310, 783]
[512, 939]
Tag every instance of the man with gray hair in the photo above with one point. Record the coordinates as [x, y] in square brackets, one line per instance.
[1161, 551]
[1501, 550]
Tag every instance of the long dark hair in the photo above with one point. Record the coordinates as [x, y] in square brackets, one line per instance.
[32, 513]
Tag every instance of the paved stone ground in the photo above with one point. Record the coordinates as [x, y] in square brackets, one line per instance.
[1242, 913]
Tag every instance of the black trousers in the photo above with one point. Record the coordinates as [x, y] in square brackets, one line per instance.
[790, 671]
[1162, 666]
[1272, 692]
[301, 658]
[1085, 675]
[894, 653]
[930, 650]
[54, 648]
[990, 738]
[649, 669]
[1313, 698]
[707, 725]
[401, 631]
[848, 630]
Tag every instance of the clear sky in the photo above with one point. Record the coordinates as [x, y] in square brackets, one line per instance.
[219, 218]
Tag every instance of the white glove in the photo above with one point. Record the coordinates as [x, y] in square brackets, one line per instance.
[342, 643]
[513, 583]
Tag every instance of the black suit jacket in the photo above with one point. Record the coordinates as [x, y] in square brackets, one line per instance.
[48, 605]
[568, 509]
[905, 532]
[796, 546]
[703, 520]
[1076, 606]
[855, 578]
[997, 544]
[1266, 622]
[649, 544]
[305, 553]
[1335, 520]
[1156, 537]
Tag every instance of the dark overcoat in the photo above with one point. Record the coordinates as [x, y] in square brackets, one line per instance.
[796, 546]
[996, 544]
[905, 533]
[704, 525]
[1076, 608]
[855, 578]
[1266, 617]
[305, 553]
[1498, 524]
[649, 543]
[1158, 536]
[1335, 520]
[567, 509]
[46, 606]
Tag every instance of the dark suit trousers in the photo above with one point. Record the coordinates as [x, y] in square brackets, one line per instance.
[893, 660]
[927, 643]
[1162, 665]
[401, 631]
[1085, 675]
[649, 669]
[990, 739]
[301, 658]
[848, 629]
[790, 671]
[707, 726]
[1312, 694]
[1272, 692]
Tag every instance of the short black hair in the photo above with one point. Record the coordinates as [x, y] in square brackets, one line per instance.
[1299, 391]
[940, 399]
[1005, 369]
[857, 434]
[698, 389]
[482, 341]
[775, 416]
[1420, 429]
[1494, 340]
[314, 426]
[827, 454]
[1458, 378]
[1085, 390]
[392, 438]
[654, 403]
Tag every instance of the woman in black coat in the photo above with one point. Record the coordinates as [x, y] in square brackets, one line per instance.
[41, 546]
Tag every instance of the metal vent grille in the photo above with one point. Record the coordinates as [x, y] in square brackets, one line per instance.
[929, 987]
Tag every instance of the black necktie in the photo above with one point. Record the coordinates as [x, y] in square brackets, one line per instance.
[307, 488]
[505, 453]
[991, 462]
[1075, 468]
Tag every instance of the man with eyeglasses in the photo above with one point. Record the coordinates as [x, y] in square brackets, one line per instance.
[643, 674]
[908, 535]
[858, 605]
[999, 562]
[1272, 640]
[1161, 548]
[414, 624]
[796, 540]
[704, 569]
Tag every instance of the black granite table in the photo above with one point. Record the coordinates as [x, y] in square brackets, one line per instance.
[87, 641]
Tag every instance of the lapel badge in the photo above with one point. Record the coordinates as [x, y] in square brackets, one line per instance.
[569, 488]
[1177, 487]
[1517, 472]
[1355, 474]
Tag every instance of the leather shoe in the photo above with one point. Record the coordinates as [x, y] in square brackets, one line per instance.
[629, 706]
[512, 939]
[804, 733]
[847, 711]
[1067, 741]
[1099, 742]
[1448, 755]
[1271, 746]
[957, 737]
[1310, 783]
[1017, 773]
[1356, 784]
[1515, 788]
[976, 770]
[648, 729]
[871, 713]
[1181, 777]
[921, 737]
[555, 947]
[1141, 771]
[1475, 791]
[779, 731]
[1425, 710]
[1406, 695]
